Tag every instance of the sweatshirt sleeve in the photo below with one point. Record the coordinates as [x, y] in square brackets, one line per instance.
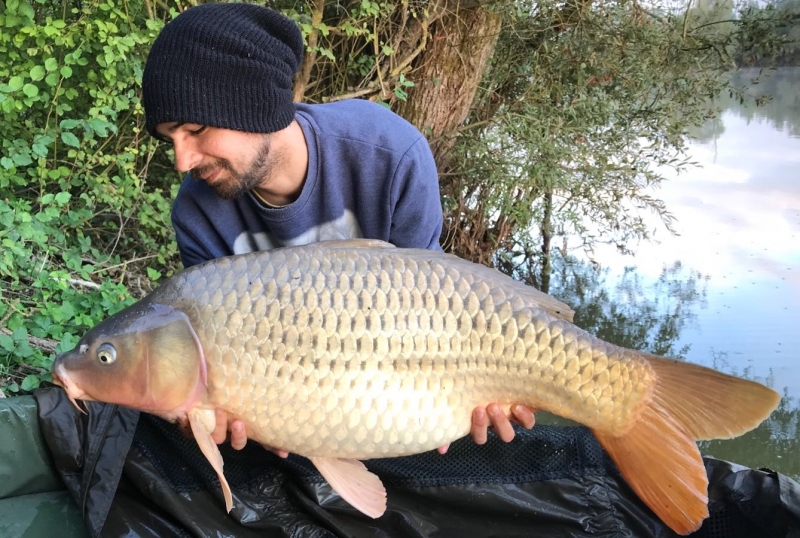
[416, 206]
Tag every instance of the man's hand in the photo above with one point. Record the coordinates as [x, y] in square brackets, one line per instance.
[493, 415]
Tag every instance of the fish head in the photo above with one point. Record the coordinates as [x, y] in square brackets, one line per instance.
[146, 357]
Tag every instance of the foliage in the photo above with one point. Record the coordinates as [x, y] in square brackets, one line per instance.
[80, 224]
[360, 48]
[773, 36]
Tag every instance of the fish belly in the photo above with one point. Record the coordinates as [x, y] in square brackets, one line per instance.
[368, 353]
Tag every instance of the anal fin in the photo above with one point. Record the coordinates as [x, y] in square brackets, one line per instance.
[203, 422]
[664, 467]
[354, 483]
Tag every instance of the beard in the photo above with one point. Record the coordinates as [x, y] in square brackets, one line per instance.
[260, 171]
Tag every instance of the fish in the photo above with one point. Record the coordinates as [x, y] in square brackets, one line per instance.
[345, 351]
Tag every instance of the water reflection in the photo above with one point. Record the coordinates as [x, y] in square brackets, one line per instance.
[775, 101]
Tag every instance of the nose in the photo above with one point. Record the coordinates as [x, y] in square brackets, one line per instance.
[186, 155]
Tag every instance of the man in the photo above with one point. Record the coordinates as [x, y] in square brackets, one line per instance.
[264, 172]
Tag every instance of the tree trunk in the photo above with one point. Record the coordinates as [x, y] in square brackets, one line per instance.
[448, 73]
[547, 236]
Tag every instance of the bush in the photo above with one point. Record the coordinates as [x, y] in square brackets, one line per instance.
[84, 192]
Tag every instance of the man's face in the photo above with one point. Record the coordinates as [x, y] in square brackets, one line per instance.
[231, 162]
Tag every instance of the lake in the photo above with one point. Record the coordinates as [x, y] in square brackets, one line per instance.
[738, 216]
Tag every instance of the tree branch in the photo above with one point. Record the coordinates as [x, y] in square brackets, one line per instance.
[301, 81]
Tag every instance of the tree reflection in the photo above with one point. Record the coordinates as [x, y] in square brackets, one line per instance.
[767, 95]
[777, 98]
[774, 444]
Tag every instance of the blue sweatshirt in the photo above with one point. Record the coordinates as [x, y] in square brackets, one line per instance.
[370, 174]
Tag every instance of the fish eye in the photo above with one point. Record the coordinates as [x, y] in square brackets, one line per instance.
[106, 353]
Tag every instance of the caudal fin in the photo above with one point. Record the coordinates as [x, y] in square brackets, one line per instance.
[658, 456]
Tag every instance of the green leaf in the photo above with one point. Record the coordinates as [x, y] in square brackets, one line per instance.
[6, 163]
[30, 382]
[69, 124]
[22, 159]
[70, 140]
[68, 341]
[66, 71]
[67, 310]
[30, 90]
[63, 197]
[6, 342]
[153, 274]
[39, 149]
[15, 83]
[99, 126]
[50, 64]
[20, 335]
[37, 73]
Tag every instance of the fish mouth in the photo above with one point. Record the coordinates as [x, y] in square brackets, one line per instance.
[63, 380]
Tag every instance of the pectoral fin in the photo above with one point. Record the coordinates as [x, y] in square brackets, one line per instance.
[354, 483]
[203, 422]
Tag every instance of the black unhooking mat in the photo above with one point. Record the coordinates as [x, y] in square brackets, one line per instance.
[550, 482]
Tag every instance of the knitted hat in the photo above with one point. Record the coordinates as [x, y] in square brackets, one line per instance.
[223, 65]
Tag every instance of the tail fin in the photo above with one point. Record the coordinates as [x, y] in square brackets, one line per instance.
[658, 456]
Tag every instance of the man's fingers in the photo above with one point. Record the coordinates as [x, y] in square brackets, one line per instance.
[280, 453]
[239, 436]
[502, 426]
[523, 415]
[443, 449]
[480, 424]
[220, 432]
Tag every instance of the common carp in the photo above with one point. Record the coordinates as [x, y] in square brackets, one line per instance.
[352, 350]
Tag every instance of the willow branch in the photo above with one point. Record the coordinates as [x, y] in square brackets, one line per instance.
[352, 95]
[301, 83]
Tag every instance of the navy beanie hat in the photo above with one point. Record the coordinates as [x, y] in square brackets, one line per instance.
[223, 65]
